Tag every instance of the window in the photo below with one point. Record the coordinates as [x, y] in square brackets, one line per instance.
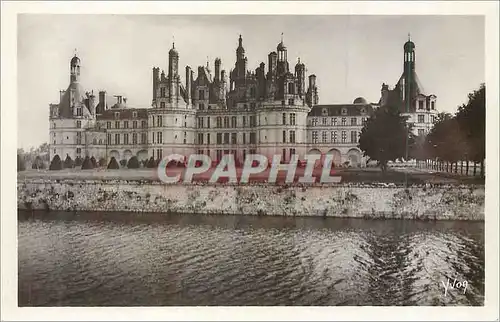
[159, 137]
[284, 118]
[334, 121]
[159, 120]
[162, 104]
[54, 125]
[291, 89]
[344, 121]
[292, 118]
[334, 136]
[323, 121]
[201, 106]
[292, 136]
[162, 93]
[344, 136]
[117, 138]
[134, 124]
[244, 121]
[252, 92]
[185, 124]
[219, 138]
[125, 138]
[354, 137]
[134, 138]
[233, 138]
[108, 138]
[226, 138]
[144, 138]
[244, 139]
[219, 122]
[252, 106]
[314, 121]
[78, 137]
[421, 118]
[79, 111]
[233, 122]
[420, 105]
[433, 105]
[252, 120]
[125, 124]
[421, 132]
[159, 154]
[78, 150]
[253, 138]
[344, 111]
[134, 114]
[323, 136]
[315, 136]
[433, 119]
[283, 102]
[291, 101]
[353, 121]
[284, 136]
[200, 138]
[144, 124]
[226, 121]
[363, 121]
[208, 138]
[117, 124]
[244, 154]
[100, 141]
[78, 124]
[200, 122]
[283, 157]
[208, 121]
[117, 115]
[219, 154]
[201, 94]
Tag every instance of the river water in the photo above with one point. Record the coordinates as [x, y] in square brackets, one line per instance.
[97, 259]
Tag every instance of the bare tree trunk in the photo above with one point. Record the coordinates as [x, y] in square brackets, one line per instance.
[456, 167]
[474, 173]
[467, 167]
[461, 167]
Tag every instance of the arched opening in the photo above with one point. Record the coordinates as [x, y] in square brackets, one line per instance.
[337, 157]
[316, 151]
[114, 154]
[127, 154]
[142, 155]
[354, 157]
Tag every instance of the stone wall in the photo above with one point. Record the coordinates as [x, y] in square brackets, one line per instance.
[348, 200]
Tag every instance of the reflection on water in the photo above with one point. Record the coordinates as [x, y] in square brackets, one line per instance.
[94, 259]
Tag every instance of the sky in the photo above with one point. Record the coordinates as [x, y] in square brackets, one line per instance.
[351, 56]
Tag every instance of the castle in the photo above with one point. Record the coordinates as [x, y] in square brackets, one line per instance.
[269, 112]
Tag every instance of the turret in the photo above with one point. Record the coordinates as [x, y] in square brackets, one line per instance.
[217, 70]
[300, 73]
[75, 69]
[188, 84]
[273, 61]
[173, 62]
[156, 79]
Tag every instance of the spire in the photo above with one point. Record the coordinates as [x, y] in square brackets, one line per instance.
[281, 37]
[173, 41]
[408, 36]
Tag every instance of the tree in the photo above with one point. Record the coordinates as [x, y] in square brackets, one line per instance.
[102, 162]
[385, 136]
[68, 163]
[78, 161]
[133, 163]
[151, 163]
[87, 164]
[21, 165]
[113, 164]
[94, 162]
[56, 163]
[471, 118]
[38, 163]
[123, 163]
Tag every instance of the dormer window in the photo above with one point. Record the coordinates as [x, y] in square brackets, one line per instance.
[117, 115]
[344, 111]
[324, 112]
[363, 111]
[134, 114]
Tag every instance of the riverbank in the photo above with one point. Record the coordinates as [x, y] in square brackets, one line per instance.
[355, 200]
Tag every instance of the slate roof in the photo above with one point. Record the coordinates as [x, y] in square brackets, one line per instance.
[336, 110]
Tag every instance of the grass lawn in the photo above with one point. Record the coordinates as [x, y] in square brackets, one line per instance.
[365, 175]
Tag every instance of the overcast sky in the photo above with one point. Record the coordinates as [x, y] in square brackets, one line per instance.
[351, 55]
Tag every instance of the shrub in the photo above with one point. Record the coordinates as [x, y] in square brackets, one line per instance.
[78, 161]
[113, 164]
[56, 163]
[68, 163]
[21, 165]
[133, 163]
[94, 162]
[123, 163]
[38, 163]
[102, 162]
[87, 164]
[151, 163]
